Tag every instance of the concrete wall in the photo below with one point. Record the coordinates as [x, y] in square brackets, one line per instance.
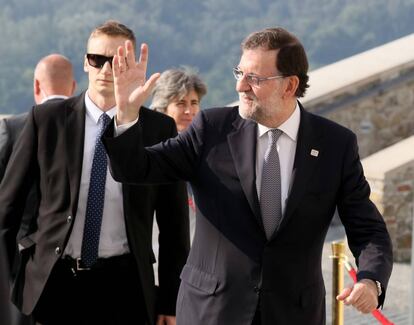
[390, 174]
[381, 112]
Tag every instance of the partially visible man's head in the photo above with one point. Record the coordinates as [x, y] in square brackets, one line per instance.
[113, 28]
[271, 74]
[53, 75]
[291, 56]
[178, 93]
[101, 48]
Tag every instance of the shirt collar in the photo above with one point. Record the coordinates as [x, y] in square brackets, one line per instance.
[53, 97]
[290, 127]
[94, 111]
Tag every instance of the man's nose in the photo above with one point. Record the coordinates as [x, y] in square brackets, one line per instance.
[242, 85]
[107, 67]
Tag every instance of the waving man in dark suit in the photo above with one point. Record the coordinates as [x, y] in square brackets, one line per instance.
[267, 177]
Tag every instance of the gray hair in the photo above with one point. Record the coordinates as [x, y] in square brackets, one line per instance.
[176, 83]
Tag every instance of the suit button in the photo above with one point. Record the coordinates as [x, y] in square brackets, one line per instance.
[69, 219]
[256, 289]
[57, 250]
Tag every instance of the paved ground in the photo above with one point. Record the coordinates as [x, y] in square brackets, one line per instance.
[396, 308]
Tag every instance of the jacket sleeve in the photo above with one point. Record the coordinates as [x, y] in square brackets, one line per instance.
[366, 231]
[169, 161]
[174, 239]
[174, 243]
[16, 184]
[5, 147]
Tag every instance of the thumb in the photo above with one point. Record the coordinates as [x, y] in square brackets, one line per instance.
[150, 83]
[140, 95]
[344, 294]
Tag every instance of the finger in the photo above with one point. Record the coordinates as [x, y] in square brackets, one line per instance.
[150, 83]
[141, 94]
[160, 320]
[344, 294]
[115, 67]
[130, 54]
[121, 59]
[354, 296]
[368, 305]
[171, 321]
[364, 307]
[360, 305]
[143, 56]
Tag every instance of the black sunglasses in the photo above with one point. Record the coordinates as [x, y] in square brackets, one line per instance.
[98, 60]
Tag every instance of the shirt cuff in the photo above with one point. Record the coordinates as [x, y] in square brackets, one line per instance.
[122, 128]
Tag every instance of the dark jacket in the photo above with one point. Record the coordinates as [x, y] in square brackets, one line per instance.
[51, 150]
[232, 267]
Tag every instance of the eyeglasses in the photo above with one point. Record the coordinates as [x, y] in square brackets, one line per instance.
[98, 60]
[252, 80]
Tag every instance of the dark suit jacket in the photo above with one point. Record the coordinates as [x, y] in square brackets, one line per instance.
[51, 148]
[231, 264]
[10, 129]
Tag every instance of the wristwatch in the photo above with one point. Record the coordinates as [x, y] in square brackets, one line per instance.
[379, 289]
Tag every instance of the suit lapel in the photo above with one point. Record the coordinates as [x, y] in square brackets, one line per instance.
[306, 158]
[75, 134]
[242, 143]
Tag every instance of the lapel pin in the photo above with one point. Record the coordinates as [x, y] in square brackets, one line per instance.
[314, 152]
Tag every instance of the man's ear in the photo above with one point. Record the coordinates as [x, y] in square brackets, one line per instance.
[73, 87]
[292, 86]
[85, 64]
[36, 87]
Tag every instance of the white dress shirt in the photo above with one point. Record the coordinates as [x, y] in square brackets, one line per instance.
[286, 147]
[113, 239]
[45, 99]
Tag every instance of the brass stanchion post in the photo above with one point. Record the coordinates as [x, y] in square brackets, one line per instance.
[338, 249]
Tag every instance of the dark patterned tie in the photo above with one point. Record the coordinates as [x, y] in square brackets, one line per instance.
[270, 190]
[96, 196]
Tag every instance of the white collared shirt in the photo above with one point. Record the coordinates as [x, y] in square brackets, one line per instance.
[53, 97]
[286, 147]
[113, 239]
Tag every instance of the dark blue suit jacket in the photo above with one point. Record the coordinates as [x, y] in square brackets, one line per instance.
[231, 264]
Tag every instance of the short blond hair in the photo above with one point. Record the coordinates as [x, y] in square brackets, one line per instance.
[113, 28]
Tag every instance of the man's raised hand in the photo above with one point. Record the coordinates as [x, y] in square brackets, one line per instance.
[130, 85]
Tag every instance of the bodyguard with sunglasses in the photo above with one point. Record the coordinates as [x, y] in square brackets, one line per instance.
[267, 177]
[90, 259]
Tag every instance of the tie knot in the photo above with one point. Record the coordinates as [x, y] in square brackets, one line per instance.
[274, 135]
[104, 120]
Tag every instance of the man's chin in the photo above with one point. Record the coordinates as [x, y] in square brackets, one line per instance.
[106, 90]
[246, 112]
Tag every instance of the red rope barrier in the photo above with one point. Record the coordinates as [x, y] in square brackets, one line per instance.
[376, 313]
[191, 204]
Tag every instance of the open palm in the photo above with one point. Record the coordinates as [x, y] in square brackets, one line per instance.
[130, 84]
